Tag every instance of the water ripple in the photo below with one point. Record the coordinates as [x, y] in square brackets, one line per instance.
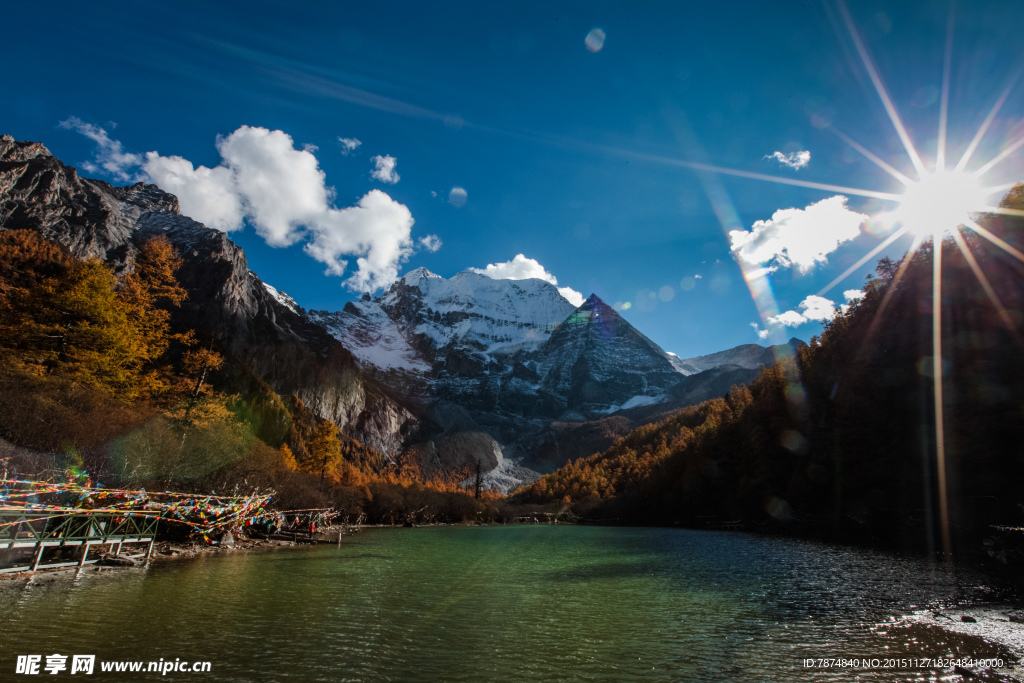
[517, 603]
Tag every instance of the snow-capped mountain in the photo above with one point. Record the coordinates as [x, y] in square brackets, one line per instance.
[470, 310]
[509, 347]
[465, 369]
[432, 338]
[494, 366]
[499, 359]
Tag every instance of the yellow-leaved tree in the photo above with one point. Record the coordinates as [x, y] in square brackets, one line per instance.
[324, 450]
[75, 319]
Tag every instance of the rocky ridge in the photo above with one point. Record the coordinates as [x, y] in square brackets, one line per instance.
[264, 338]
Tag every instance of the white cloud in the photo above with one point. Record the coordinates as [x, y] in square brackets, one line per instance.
[110, 155]
[818, 308]
[795, 160]
[376, 230]
[519, 268]
[799, 237]
[282, 188]
[814, 307]
[348, 145]
[206, 192]
[853, 294]
[572, 296]
[523, 268]
[761, 334]
[431, 243]
[282, 192]
[787, 319]
[457, 196]
[384, 169]
[698, 276]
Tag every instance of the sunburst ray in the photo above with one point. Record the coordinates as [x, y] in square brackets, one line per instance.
[881, 163]
[876, 320]
[864, 259]
[937, 395]
[999, 157]
[1003, 210]
[876, 80]
[986, 285]
[985, 125]
[996, 240]
[947, 66]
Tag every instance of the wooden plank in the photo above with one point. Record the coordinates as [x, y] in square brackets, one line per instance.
[38, 556]
[65, 564]
[85, 555]
[25, 568]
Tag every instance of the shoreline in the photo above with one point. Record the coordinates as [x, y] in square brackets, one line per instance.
[1000, 624]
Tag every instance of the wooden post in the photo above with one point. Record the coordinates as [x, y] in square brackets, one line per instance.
[118, 551]
[150, 551]
[38, 556]
[85, 554]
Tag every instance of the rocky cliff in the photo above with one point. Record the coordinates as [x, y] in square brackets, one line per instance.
[263, 337]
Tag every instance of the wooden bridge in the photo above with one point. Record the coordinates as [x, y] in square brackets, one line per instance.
[44, 529]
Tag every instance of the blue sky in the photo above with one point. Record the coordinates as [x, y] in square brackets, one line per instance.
[578, 159]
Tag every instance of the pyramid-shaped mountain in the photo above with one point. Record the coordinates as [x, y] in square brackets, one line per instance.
[596, 362]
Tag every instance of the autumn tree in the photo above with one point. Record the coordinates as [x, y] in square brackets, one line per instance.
[74, 318]
[26, 259]
[74, 324]
[196, 365]
[324, 450]
[146, 294]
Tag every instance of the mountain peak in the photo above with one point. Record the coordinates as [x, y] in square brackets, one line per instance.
[596, 305]
[415, 276]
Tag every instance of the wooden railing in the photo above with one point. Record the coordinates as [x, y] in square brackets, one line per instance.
[50, 529]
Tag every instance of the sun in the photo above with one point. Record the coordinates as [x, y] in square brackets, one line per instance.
[939, 203]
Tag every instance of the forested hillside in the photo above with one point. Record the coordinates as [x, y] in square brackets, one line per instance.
[841, 440]
[94, 376]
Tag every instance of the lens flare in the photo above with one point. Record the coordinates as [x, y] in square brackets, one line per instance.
[939, 203]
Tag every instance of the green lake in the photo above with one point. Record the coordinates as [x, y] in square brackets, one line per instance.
[516, 603]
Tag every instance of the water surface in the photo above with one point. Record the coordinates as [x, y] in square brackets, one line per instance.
[520, 603]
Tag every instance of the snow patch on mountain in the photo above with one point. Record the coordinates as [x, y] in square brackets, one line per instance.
[281, 297]
[639, 400]
[373, 338]
[475, 310]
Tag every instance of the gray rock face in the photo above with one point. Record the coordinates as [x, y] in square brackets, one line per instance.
[263, 337]
[596, 363]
